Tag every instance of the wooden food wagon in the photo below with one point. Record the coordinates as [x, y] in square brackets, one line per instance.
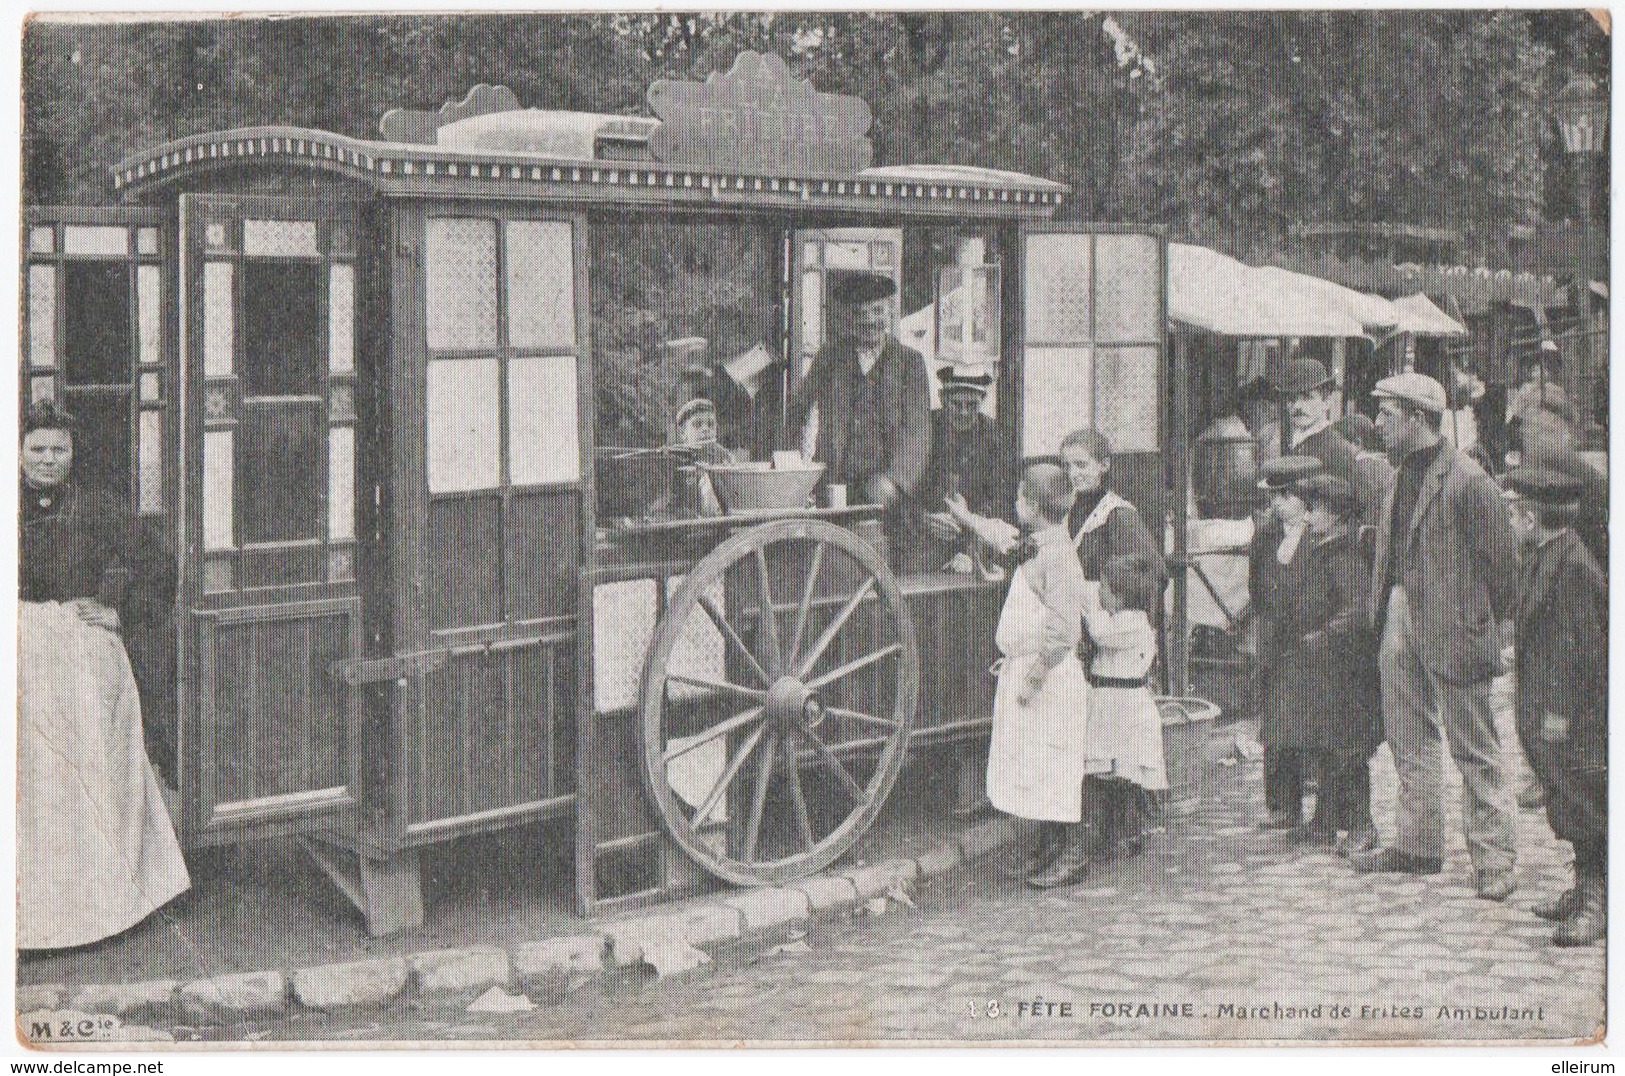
[360, 396]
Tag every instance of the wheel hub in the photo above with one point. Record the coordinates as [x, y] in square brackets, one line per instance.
[791, 700]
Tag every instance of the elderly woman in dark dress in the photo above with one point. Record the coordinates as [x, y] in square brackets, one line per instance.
[96, 851]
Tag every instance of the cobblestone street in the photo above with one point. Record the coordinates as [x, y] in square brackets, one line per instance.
[1216, 932]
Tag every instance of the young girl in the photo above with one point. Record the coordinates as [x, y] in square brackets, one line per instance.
[1123, 742]
[1034, 760]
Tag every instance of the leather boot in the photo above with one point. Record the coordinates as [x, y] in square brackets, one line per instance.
[1565, 905]
[1044, 848]
[1072, 863]
[1589, 923]
[1103, 834]
[1130, 823]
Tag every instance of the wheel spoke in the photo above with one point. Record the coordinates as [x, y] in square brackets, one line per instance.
[764, 774]
[732, 636]
[867, 719]
[798, 799]
[738, 721]
[721, 687]
[729, 774]
[830, 761]
[835, 626]
[792, 653]
[770, 620]
[854, 665]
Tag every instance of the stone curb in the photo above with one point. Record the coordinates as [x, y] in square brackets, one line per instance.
[669, 940]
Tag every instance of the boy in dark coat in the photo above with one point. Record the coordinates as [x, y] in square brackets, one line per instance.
[1560, 616]
[1275, 578]
[1336, 658]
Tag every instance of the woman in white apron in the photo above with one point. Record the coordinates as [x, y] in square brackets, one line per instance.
[96, 852]
[1035, 758]
[1104, 525]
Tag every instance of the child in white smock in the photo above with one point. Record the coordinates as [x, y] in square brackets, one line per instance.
[1034, 766]
[1125, 727]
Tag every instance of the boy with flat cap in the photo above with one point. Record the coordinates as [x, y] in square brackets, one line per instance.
[1560, 623]
[864, 407]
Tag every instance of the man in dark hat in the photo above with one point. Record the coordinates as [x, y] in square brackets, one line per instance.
[1446, 568]
[1307, 395]
[966, 462]
[864, 407]
[1560, 625]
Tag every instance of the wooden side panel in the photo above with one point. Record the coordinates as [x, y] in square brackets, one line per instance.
[485, 514]
[494, 736]
[542, 545]
[277, 730]
[954, 620]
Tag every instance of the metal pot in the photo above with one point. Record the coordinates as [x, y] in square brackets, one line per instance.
[1224, 470]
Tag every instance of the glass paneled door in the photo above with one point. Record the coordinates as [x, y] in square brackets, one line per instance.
[98, 304]
[487, 524]
[269, 592]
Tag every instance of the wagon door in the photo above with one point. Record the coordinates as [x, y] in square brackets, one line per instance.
[99, 340]
[1094, 353]
[487, 511]
[269, 590]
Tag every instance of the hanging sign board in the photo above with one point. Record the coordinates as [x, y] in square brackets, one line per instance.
[759, 118]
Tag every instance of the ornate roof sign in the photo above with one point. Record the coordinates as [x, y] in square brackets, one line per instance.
[759, 118]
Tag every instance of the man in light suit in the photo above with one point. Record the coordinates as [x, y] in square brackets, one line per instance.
[864, 409]
[1443, 582]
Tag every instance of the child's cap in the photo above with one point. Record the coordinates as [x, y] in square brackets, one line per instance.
[698, 406]
[1545, 487]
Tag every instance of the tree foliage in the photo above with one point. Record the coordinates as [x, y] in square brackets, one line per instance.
[1227, 127]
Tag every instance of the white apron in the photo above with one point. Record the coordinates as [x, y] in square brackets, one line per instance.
[1035, 757]
[96, 852]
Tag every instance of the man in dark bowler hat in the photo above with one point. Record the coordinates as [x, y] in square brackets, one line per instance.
[1307, 393]
[966, 462]
[864, 407]
[1560, 625]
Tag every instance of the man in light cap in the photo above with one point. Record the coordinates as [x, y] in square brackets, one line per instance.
[864, 408]
[966, 463]
[1443, 582]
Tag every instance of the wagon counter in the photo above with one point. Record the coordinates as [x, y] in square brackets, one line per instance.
[379, 370]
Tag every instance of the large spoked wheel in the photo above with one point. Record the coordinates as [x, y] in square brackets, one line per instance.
[778, 695]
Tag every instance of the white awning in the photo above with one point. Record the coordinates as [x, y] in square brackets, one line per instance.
[1374, 313]
[1211, 291]
[1419, 315]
